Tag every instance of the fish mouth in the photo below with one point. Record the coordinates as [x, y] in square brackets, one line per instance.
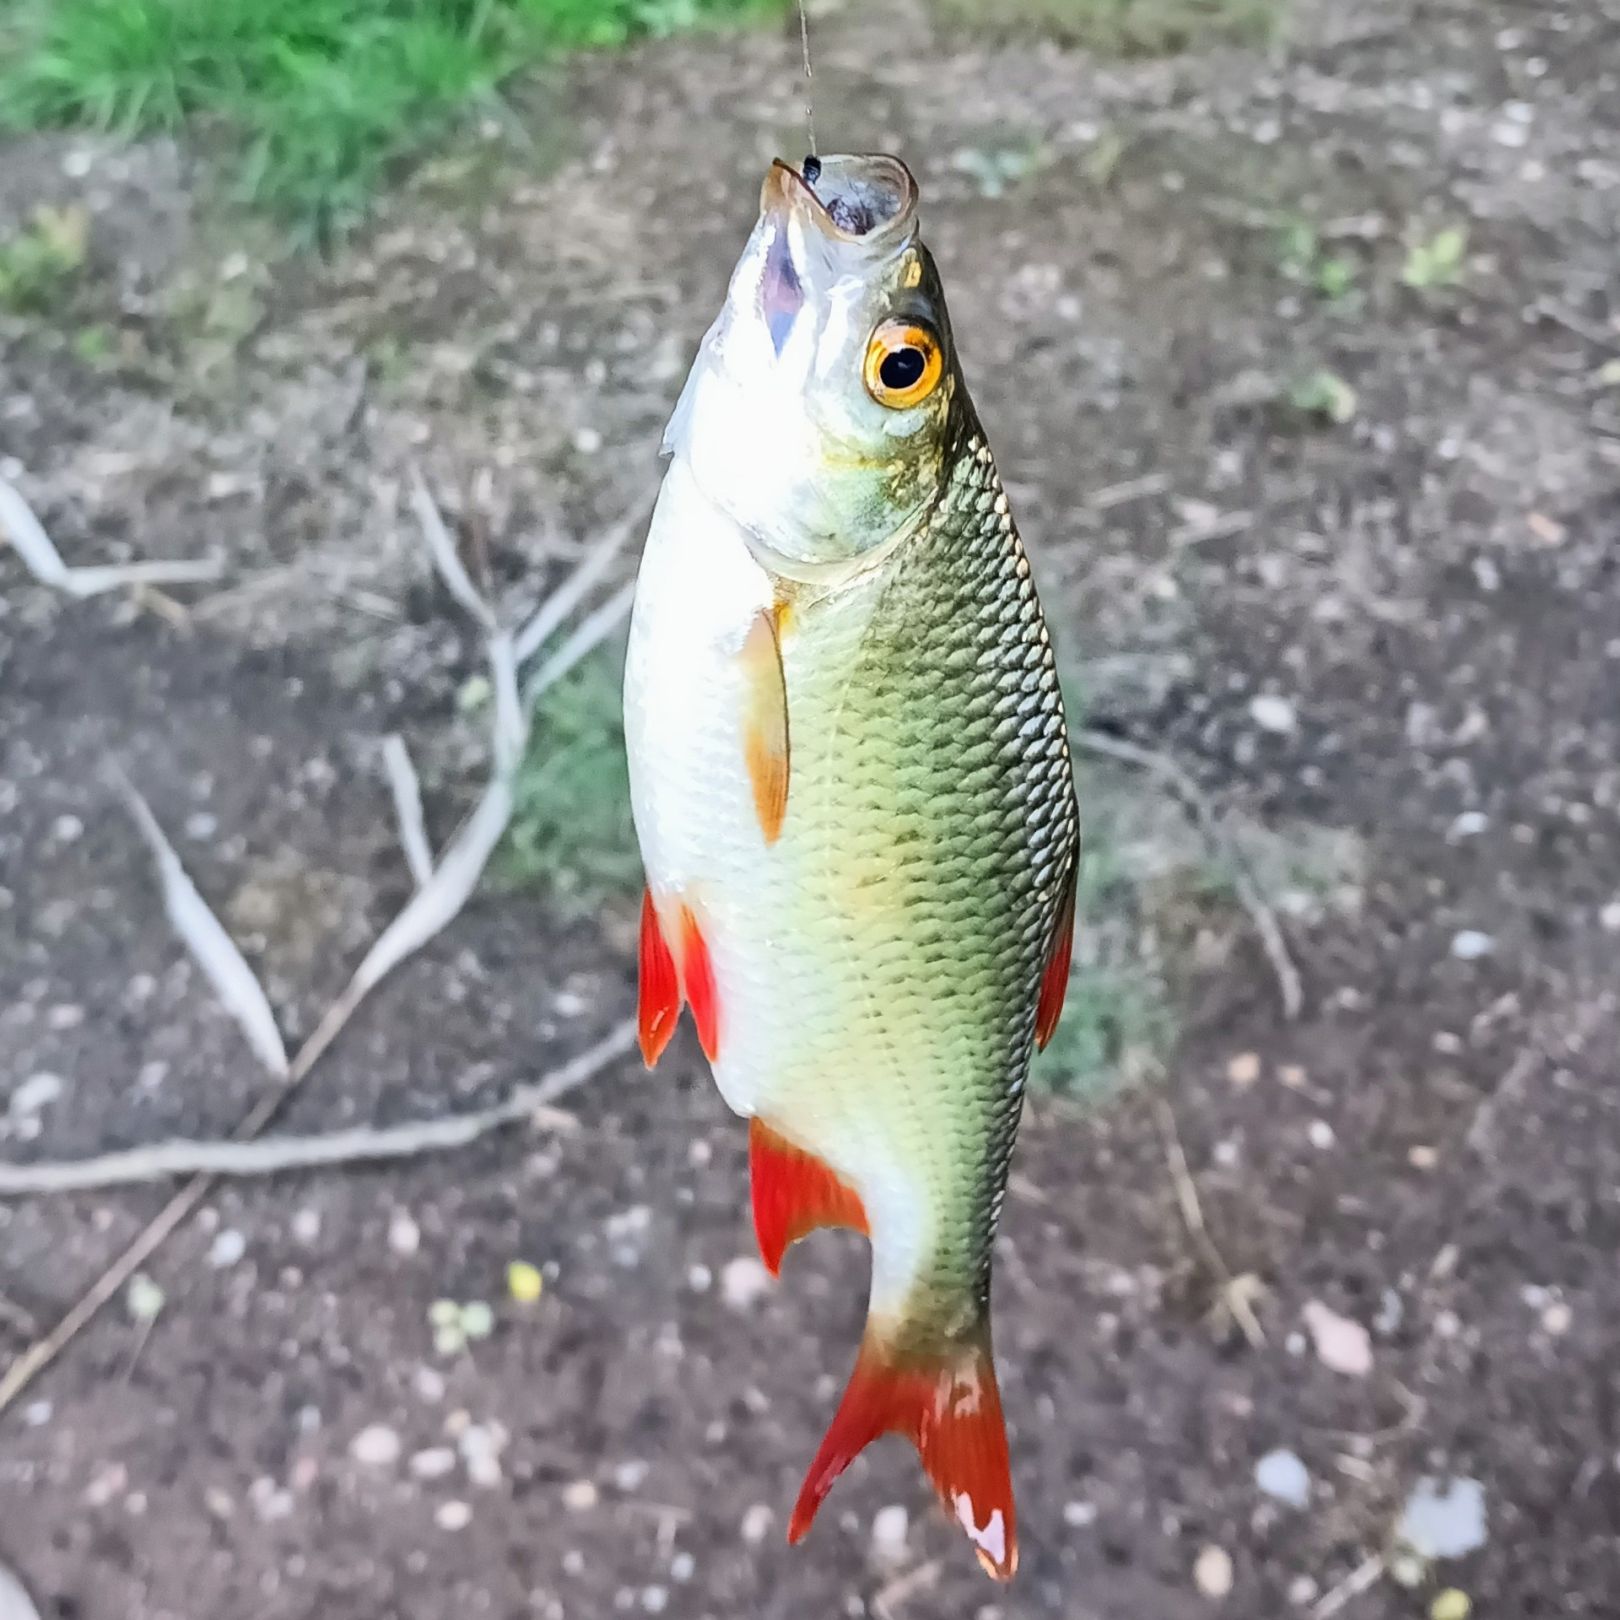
[867, 198]
[862, 203]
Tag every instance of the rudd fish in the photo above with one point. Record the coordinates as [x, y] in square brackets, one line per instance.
[853, 794]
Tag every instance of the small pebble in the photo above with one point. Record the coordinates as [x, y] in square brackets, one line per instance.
[1556, 1318]
[1280, 1474]
[1321, 1134]
[37, 1414]
[434, 1463]
[655, 1599]
[227, 1249]
[429, 1383]
[1212, 1571]
[1451, 1604]
[1444, 1521]
[682, 1566]
[1422, 1157]
[453, 1516]
[1273, 714]
[756, 1524]
[36, 1092]
[1342, 1345]
[889, 1527]
[306, 1225]
[404, 1235]
[1244, 1069]
[631, 1474]
[1471, 944]
[524, 1282]
[743, 1282]
[1078, 1515]
[580, 1496]
[375, 1447]
[1609, 917]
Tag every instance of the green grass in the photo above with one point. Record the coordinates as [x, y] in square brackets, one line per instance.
[315, 100]
[571, 832]
[1125, 27]
[39, 263]
[1116, 1015]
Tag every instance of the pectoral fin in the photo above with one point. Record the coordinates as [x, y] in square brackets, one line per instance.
[765, 723]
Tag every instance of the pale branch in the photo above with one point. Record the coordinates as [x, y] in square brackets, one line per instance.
[270, 1156]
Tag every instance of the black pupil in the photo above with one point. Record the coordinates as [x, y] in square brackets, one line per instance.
[903, 368]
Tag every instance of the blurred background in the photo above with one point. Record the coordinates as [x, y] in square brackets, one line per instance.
[336, 338]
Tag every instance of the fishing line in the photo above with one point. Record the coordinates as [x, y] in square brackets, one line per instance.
[809, 85]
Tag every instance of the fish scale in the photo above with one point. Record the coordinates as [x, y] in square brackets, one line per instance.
[865, 958]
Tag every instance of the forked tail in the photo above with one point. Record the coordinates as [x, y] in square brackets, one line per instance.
[948, 1405]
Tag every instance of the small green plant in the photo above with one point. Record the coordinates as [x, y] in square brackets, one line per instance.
[571, 830]
[1125, 27]
[1324, 394]
[317, 100]
[38, 264]
[996, 167]
[1303, 258]
[1116, 1015]
[1438, 260]
[96, 345]
[456, 1325]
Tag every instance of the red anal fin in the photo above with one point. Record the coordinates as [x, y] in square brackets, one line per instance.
[1055, 980]
[658, 1002]
[951, 1411]
[765, 723]
[697, 971]
[793, 1193]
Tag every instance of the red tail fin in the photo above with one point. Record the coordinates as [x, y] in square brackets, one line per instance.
[951, 1410]
[659, 996]
[793, 1193]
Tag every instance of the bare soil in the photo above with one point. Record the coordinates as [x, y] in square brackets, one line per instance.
[1433, 589]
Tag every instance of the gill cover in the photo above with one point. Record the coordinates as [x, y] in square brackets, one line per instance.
[818, 411]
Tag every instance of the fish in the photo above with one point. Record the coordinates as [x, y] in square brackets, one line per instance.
[853, 794]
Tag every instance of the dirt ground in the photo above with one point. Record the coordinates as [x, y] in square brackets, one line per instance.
[1428, 593]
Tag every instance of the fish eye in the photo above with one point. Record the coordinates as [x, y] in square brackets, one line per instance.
[904, 364]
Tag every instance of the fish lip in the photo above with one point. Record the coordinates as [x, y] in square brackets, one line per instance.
[786, 192]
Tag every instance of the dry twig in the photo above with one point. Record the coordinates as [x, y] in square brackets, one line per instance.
[1243, 879]
[888, 1603]
[1363, 1576]
[41, 558]
[270, 1156]
[1234, 1295]
[434, 904]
